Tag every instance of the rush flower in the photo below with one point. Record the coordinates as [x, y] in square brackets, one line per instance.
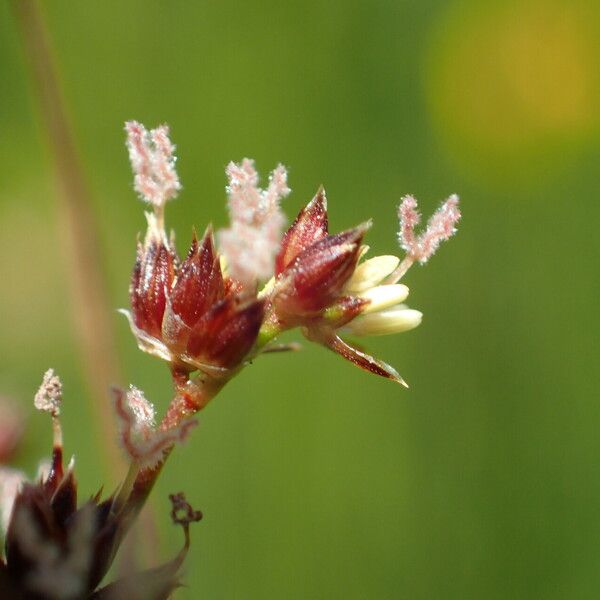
[57, 549]
[187, 313]
[321, 285]
[198, 316]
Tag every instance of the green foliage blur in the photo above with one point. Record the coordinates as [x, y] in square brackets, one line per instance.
[318, 480]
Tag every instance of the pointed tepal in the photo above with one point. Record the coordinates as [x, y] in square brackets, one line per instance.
[310, 226]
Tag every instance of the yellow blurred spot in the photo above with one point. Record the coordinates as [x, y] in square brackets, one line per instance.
[514, 81]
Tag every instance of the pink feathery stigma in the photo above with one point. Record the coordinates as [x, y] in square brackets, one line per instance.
[278, 189]
[440, 227]
[409, 218]
[243, 192]
[152, 162]
[252, 241]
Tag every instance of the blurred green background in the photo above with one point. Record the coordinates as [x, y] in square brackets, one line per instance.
[318, 480]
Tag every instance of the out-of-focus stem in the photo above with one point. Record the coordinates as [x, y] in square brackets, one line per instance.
[78, 231]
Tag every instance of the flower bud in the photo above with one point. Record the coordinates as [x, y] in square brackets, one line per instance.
[56, 549]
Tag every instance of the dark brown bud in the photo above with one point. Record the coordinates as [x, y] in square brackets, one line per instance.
[53, 547]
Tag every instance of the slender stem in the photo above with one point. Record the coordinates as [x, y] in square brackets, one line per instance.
[76, 221]
[191, 397]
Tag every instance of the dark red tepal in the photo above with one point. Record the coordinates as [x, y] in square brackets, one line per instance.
[316, 269]
[199, 282]
[309, 227]
[151, 281]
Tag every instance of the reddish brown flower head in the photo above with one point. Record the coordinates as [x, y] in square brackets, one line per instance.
[314, 279]
[321, 287]
[188, 313]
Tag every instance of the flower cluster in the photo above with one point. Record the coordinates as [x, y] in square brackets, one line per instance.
[188, 312]
[207, 313]
[207, 316]
[58, 551]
